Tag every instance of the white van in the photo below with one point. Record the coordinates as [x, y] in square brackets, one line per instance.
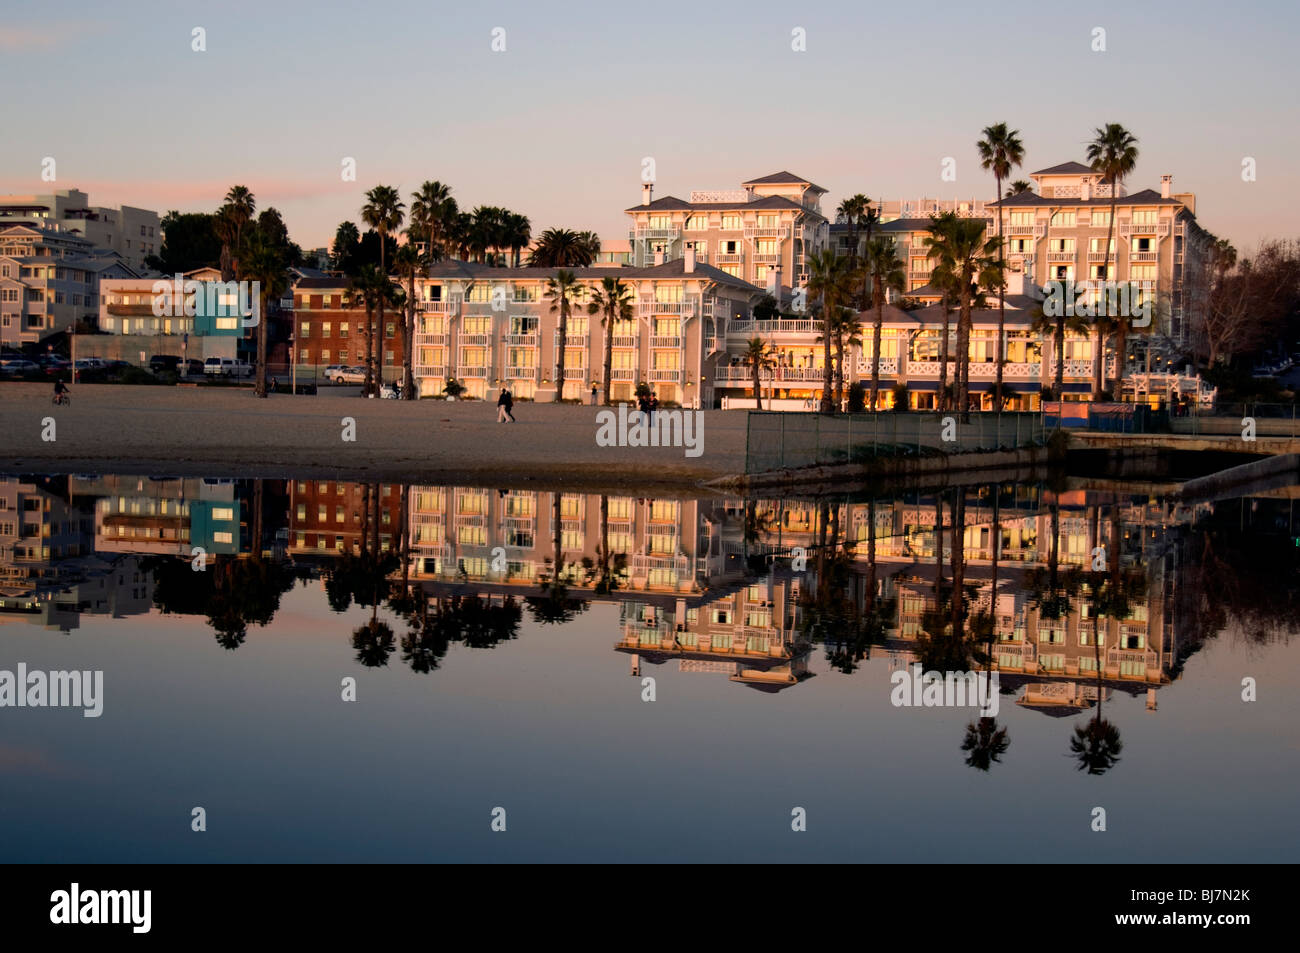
[226, 367]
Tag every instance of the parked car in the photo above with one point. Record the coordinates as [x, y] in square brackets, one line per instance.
[14, 366]
[86, 363]
[192, 366]
[226, 367]
[350, 375]
[164, 362]
[333, 371]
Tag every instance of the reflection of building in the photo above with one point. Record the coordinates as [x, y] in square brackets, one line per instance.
[49, 572]
[327, 517]
[751, 634]
[164, 515]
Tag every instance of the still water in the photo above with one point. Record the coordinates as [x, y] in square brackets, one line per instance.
[695, 671]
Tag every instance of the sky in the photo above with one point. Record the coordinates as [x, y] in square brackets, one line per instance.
[557, 123]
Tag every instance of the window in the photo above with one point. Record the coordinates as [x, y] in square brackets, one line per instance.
[1145, 216]
[343, 329]
[223, 513]
[1063, 219]
[731, 221]
[698, 222]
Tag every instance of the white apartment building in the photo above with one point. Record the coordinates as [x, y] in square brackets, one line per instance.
[134, 233]
[49, 279]
[763, 233]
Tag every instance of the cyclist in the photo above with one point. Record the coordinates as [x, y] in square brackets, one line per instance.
[60, 392]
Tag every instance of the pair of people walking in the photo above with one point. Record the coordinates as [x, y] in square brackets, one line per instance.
[648, 404]
[504, 403]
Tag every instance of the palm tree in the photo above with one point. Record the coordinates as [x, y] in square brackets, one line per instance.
[886, 271]
[612, 300]
[1019, 187]
[828, 280]
[225, 226]
[346, 238]
[518, 233]
[367, 289]
[242, 205]
[561, 248]
[432, 210]
[408, 265]
[1113, 153]
[265, 263]
[384, 212]
[853, 212]
[1000, 151]
[561, 292]
[1057, 326]
[847, 332]
[961, 250]
[758, 355]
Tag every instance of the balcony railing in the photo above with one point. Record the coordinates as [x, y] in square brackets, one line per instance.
[473, 370]
[665, 341]
[437, 307]
[571, 340]
[575, 373]
[622, 373]
[625, 340]
[766, 259]
[730, 259]
[431, 370]
[521, 340]
[1036, 230]
[1157, 228]
[683, 308]
[1144, 256]
[919, 275]
[642, 232]
[520, 372]
[475, 340]
[1099, 257]
[774, 326]
[1066, 256]
[767, 231]
[666, 375]
[888, 365]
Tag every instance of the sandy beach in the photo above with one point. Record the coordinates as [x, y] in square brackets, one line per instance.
[203, 431]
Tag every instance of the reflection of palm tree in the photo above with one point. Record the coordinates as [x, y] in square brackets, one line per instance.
[373, 641]
[985, 743]
[244, 592]
[555, 606]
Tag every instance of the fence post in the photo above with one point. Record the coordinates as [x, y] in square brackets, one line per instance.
[782, 464]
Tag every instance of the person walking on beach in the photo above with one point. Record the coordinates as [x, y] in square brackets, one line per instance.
[504, 403]
[593, 395]
[652, 404]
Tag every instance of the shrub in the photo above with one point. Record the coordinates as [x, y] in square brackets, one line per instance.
[857, 398]
[901, 394]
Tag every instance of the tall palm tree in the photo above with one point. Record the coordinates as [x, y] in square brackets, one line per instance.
[758, 355]
[960, 249]
[829, 280]
[1045, 324]
[225, 227]
[266, 263]
[367, 289]
[384, 211]
[886, 271]
[1113, 153]
[560, 248]
[561, 292]
[612, 300]
[1000, 151]
[846, 332]
[852, 211]
[242, 205]
[432, 210]
[408, 265]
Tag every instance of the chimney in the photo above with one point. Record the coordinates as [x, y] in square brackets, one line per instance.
[774, 279]
[689, 258]
[647, 192]
[1085, 189]
[1166, 184]
[659, 254]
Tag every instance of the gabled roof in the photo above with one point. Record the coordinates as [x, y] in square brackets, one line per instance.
[904, 225]
[784, 178]
[765, 203]
[1144, 197]
[1065, 168]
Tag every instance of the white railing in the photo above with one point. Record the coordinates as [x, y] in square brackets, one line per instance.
[431, 370]
[666, 375]
[766, 259]
[1144, 256]
[730, 259]
[428, 338]
[1099, 257]
[767, 231]
[888, 365]
[665, 341]
[683, 308]
[475, 340]
[919, 275]
[437, 307]
[644, 232]
[1066, 256]
[465, 370]
[1157, 228]
[622, 373]
[520, 372]
[521, 340]
[625, 340]
[570, 340]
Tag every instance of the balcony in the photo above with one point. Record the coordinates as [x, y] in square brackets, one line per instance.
[645, 233]
[888, 365]
[665, 375]
[919, 275]
[521, 340]
[431, 370]
[1061, 256]
[625, 340]
[1141, 256]
[437, 307]
[1157, 228]
[570, 340]
[774, 326]
[1099, 257]
[476, 340]
[622, 373]
[767, 231]
[575, 373]
[766, 259]
[665, 341]
[476, 371]
[516, 372]
[730, 259]
[1035, 230]
[683, 308]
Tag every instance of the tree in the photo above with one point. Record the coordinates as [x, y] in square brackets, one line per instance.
[241, 205]
[384, 212]
[1019, 187]
[408, 265]
[266, 262]
[561, 291]
[1113, 153]
[1000, 151]
[561, 248]
[886, 271]
[368, 288]
[960, 249]
[758, 355]
[518, 232]
[829, 280]
[1057, 325]
[432, 212]
[612, 300]
[343, 250]
[859, 214]
[190, 241]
